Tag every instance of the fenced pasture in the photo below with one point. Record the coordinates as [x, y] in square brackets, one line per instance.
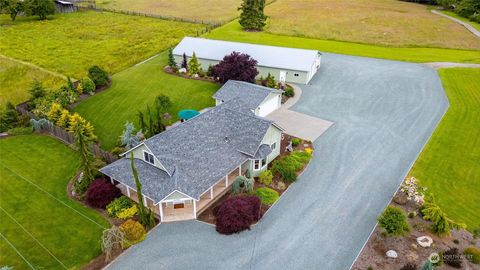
[380, 22]
[70, 43]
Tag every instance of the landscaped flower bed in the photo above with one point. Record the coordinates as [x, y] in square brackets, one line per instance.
[270, 185]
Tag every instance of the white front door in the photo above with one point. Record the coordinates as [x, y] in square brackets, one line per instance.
[283, 76]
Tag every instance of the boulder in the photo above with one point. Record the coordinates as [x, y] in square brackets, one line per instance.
[425, 241]
[182, 70]
[401, 198]
[392, 254]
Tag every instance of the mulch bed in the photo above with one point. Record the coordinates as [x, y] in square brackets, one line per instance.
[84, 96]
[169, 70]
[208, 216]
[373, 254]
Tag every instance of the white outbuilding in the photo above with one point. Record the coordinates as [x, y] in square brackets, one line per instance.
[286, 64]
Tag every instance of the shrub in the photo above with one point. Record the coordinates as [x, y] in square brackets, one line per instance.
[236, 66]
[288, 92]
[267, 195]
[309, 150]
[452, 258]
[288, 166]
[101, 193]
[296, 142]
[441, 223]
[117, 151]
[242, 184]
[20, 131]
[427, 266]
[118, 205]
[128, 212]
[409, 266]
[265, 177]
[37, 90]
[472, 254]
[394, 221]
[9, 117]
[476, 233]
[88, 86]
[133, 231]
[412, 214]
[98, 76]
[237, 214]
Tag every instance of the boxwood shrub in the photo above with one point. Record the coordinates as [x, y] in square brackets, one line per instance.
[267, 195]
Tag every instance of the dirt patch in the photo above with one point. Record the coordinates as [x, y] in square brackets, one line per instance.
[408, 250]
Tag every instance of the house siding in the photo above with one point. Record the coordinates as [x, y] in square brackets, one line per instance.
[176, 196]
[138, 153]
[302, 78]
[273, 135]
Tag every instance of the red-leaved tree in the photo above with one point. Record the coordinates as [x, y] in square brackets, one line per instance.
[101, 192]
[236, 66]
[237, 214]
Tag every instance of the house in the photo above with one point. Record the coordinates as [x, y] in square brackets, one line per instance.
[256, 98]
[186, 168]
[285, 64]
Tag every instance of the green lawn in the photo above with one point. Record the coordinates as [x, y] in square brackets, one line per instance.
[70, 43]
[455, 15]
[37, 217]
[449, 166]
[133, 89]
[233, 32]
[16, 78]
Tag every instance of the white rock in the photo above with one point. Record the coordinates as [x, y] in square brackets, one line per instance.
[392, 254]
[182, 70]
[195, 75]
[425, 241]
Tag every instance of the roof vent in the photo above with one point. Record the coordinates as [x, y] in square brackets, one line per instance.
[226, 139]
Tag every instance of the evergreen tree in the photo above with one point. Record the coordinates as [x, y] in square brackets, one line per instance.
[441, 223]
[193, 65]
[37, 90]
[151, 219]
[270, 81]
[252, 16]
[142, 212]
[184, 62]
[86, 159]
[171, 59]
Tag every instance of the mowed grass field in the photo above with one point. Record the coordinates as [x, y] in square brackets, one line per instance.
[208, 11]
[70, 43]
[379, 22]
[38, 220]
[233, 32]
[135, 88]
[17, 77]
[449, 165]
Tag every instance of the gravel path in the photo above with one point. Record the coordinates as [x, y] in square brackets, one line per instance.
[464, 24]
[384, 113]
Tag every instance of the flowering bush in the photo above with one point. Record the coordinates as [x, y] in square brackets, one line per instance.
[309, 150]
[101, 192]
[119, 205]
[412, 190]
[133, 231]
[237, 214]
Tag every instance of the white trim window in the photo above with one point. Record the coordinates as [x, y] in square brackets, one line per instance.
[148, 157]
[273, 146]
[259, 164]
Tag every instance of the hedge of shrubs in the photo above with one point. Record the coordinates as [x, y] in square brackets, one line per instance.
[288, 166]
[133, 231]
[101, 193]
[265, 177]
[237, 214]
[267, 195]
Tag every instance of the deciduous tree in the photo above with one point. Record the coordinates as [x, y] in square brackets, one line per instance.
[236, 66]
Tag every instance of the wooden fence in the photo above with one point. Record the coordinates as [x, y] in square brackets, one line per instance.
[66, 137]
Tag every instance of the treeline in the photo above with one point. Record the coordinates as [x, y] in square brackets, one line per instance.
[40, 8]
[466, 8]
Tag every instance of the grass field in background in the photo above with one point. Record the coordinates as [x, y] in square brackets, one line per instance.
[233, 32]
[70, 43]
[16, 78]
[449, 164]
[377, 22]
[453, 14]
[34, 173]
[135, 88]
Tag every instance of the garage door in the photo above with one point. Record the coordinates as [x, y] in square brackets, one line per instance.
[269, 106]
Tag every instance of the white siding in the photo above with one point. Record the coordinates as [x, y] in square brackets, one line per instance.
[270, 104]
[138, 153]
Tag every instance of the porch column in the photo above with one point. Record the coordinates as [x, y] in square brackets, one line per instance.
[211, 193]
[111, 180]
[128, 191]
[194, 208]
[240, 171]
[145, 201]
[226, 180]
[161, 211]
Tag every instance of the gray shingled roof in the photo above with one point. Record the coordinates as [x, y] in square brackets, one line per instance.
[197, 153]
[251, 94]
[266, 56]
[263, 151]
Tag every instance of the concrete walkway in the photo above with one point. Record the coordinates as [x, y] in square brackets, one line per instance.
[384, 113]
[438, 65]
[298, 124]
[464, 24]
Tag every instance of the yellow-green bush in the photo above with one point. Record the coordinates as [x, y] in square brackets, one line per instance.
[472, 254]
[265, 177]
[128, 212]
[134, 232]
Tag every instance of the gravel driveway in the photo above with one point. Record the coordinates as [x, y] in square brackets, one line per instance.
[384, 112]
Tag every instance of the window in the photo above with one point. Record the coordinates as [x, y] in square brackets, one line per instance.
[259, 164]
[273, 146]
[148, 157]
[296, 74]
